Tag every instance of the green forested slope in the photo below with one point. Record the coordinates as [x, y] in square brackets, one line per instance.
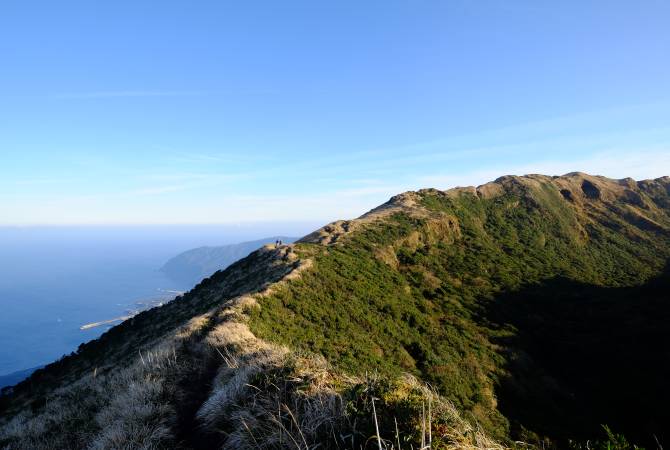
[537, 305]
[435, 289]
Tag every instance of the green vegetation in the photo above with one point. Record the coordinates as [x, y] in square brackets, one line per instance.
[611, 441]
[363, 314]
[534, 308]
[414, 293]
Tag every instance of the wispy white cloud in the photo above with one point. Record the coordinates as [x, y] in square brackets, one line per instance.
[364, 191]
[158, 93]
[129, 93]
[613, 163]
[168, 182]
[153, 204]
[206, 186]
[41, 181]
[575, 129]
[219, 177]
[157, 190]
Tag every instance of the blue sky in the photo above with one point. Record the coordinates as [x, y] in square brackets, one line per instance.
[154, 112]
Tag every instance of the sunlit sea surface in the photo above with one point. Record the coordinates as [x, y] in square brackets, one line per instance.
[54, 280]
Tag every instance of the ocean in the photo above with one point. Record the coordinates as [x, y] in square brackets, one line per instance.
[54, 280]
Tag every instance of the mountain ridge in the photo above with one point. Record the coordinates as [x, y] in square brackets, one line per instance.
[198, 263]
[406, 288]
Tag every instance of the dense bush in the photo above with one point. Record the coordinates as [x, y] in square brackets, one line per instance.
[413, 292]
[538, 311]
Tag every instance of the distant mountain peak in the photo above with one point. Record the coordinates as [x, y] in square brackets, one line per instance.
[193, 265]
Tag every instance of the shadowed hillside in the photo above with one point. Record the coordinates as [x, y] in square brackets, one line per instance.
[583, 355]
[412, 280]
[534, 308]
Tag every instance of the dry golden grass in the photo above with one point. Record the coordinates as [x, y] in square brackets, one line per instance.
[256, 395]
[261, 396]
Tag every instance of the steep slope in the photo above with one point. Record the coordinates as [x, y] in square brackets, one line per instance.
[151, 383]
[536, 306]
[193, 265]
[412, 284]
[15, 377]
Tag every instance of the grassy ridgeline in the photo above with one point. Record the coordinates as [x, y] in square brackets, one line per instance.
[535, 308]
[439, 295]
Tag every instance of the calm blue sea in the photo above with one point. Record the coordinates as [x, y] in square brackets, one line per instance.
[53, 280]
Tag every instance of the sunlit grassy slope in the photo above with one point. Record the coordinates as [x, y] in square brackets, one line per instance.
[441, 287]
[531, 308]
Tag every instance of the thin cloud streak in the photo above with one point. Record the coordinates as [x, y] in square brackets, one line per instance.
[158, 190]
[121, 94]
[614, 163]
[42, 181]
[521, 134]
